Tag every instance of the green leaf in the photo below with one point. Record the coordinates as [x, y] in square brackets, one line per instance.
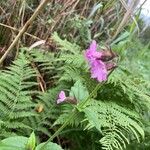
[123, 37]
[79, 91]
[14, 143]
[49, 146]
[31, 142]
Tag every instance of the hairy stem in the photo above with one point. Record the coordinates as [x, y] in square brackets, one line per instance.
[72, 115]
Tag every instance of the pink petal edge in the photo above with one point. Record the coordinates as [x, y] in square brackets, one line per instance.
[61, 97]
[59, 101]
[91, 54]
[93, 46]
[98, 70]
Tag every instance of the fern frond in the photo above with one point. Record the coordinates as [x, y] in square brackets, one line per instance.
[115, 123]
[74, 122]
[15, 99]
[76, 60]
[71, 74]
[134, 87]
[65, 45]
[50, 112]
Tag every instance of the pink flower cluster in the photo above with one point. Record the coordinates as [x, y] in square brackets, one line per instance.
[97, 67]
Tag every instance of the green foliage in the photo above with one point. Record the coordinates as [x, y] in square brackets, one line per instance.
[124, 91]
[31, 142]
[15, 95]
[14, 143]
[20, 143]
[49, 146]
[44, 60]
[80, 93]
[109, 116]
[65, 45]
[115, 116]
[114, 122]
[82, 27]
[73, 60]
[48, 113]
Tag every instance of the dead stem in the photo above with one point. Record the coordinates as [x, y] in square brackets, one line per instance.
[25, 27]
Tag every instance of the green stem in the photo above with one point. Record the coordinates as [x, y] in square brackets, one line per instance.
[81, 105]
[73, 115]
[75, 112]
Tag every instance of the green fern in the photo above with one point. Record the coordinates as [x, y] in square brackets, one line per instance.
[15, 94]
[114, 122]
[45, 61]
[135, 87]
[65, 45]
[123, 88]
[79, 91]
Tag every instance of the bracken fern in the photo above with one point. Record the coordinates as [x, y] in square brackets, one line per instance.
[15, 95]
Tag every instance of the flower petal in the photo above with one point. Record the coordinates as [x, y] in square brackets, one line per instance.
[61, 97]
[98, 70]
[91, 53]
[93, 46]
[59, 101]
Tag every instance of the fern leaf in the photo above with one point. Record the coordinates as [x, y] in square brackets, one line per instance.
[113, 123]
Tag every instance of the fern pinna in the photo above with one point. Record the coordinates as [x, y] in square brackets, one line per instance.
[114, 122]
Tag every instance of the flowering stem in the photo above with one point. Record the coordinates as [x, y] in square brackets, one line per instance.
[72, 115]
[75, 112]
[81, 105]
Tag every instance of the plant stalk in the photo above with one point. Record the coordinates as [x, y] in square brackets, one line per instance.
[24, 28]
[74, 113]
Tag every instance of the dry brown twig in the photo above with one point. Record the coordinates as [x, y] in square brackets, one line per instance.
[16, 30]
[24, 28]
[125, 19]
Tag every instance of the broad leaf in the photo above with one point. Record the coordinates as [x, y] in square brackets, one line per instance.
[31, 142]
[49, 146]
[14, 143]
[79, 91]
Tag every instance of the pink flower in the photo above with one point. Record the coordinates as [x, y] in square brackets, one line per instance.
[91, 53]
[97, 66]
[61, 97]
[98, 70]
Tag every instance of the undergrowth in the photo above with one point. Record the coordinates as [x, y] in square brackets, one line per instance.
[108, 115]
[116, 112]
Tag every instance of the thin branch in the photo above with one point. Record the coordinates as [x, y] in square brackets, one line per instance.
[125, 19]
[14, 29]
[132, 16]
[24, 28]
